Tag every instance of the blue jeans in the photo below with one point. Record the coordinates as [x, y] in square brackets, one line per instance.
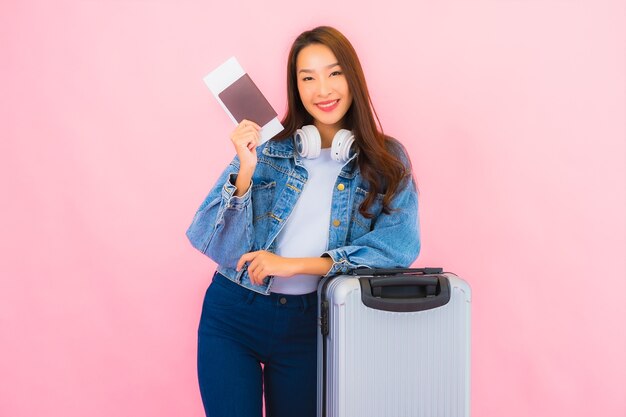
[240, 330]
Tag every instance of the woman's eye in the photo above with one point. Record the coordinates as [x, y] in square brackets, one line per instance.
[336, 73]
[307, 78]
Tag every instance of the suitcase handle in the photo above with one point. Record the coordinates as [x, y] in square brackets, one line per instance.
[427, 281]
[407, 293]
[397, 271]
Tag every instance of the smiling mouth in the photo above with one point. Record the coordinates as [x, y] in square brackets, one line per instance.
[327, 105]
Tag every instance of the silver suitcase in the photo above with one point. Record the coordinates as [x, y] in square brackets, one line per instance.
[394, 343]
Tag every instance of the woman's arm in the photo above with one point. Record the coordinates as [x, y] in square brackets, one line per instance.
[245, 139]
[262, 264]
[394, 240]
[222, 227]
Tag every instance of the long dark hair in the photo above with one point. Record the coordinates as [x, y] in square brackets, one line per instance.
[379, 162]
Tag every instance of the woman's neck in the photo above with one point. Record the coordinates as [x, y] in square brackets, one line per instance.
[327, 133]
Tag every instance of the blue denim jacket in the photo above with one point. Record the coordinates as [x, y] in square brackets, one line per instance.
[226, 226]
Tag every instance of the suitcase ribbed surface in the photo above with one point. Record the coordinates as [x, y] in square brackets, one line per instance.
[383, 363]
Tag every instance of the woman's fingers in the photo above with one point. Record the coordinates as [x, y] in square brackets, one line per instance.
[246, 131]
[246, 123]
[245, 138]
[258, 275]
[262, 264]
[255, 269]
[246, 257]
[259, 265]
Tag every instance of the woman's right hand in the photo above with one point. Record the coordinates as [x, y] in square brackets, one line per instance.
[245, 138]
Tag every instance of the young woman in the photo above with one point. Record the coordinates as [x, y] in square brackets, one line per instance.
[329, 194]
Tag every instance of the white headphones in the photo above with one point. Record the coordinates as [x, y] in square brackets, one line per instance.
[309, 143]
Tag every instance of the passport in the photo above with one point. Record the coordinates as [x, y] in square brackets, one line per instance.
[241, 99]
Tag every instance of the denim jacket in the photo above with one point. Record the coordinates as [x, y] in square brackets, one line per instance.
[226, 226]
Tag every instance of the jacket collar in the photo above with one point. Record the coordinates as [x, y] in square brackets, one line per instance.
[285, 149]
[280, 148]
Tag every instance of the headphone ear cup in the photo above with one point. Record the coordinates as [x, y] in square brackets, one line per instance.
[308, 142]
[342, 145]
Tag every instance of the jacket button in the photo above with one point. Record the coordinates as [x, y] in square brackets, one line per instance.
[336, 223]
[341, 187]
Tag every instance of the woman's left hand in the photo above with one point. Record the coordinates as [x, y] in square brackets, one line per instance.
[262, 264]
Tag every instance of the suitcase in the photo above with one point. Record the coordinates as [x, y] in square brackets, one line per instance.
[394, 343]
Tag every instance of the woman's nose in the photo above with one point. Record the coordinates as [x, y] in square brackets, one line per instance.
[324, 88]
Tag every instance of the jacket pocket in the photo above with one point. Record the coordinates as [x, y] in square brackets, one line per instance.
[262, 199]
[359, 224]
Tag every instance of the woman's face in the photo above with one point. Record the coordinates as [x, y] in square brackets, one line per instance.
[322, 86]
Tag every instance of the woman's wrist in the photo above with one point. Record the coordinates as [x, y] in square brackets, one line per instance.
[243, 181]
[310, 266]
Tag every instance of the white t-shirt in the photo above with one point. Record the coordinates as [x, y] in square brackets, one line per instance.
[305, 235]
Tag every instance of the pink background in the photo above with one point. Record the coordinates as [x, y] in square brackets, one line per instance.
[513, 113]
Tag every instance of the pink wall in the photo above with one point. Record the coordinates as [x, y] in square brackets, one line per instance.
[514, 115]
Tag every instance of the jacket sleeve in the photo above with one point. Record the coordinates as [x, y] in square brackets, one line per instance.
[222, 226]
[394, 240]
